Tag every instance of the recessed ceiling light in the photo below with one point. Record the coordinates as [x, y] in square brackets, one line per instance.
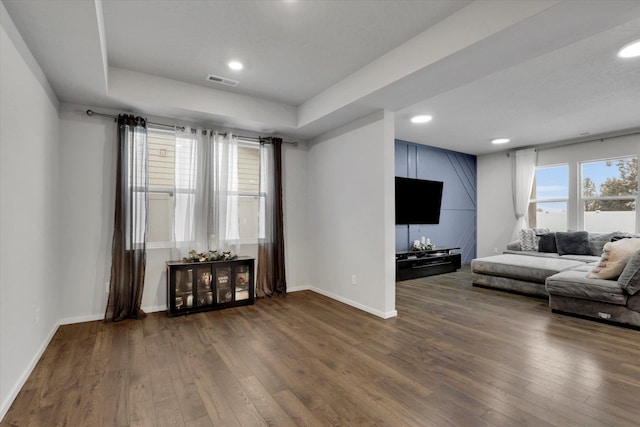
[422, 118]
[500, 140]
[630, 50]
[235, 65]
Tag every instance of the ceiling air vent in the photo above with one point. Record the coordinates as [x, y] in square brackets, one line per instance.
[222, 80]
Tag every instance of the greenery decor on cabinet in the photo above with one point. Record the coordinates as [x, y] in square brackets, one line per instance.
[193, 256]
[198, 286]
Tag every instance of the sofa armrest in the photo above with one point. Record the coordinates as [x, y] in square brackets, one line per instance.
[514, 246]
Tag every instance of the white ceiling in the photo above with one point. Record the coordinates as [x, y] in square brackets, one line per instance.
[535, 71]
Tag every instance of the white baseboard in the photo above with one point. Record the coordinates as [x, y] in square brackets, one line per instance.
[154, 309]
[387, 315]
[81, 319]
[94, 317]
[25, 375]
[298, 288]
[384, 315]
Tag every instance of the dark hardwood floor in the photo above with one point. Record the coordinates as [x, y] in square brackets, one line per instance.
[455, 355]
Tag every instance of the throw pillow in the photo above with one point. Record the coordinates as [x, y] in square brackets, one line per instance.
[630, 278]
[547, 243]
[597, 241]
[614, 259]
[529, 238]
[619, 236]
[573, 243]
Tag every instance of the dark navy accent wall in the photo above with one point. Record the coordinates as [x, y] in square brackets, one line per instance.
[458, 212]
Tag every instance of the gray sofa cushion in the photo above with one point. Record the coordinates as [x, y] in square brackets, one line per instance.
[527, 268]
[590, 259]
[629, 280]
[575, 284]
[532, 253]
[573, 242]
[585, 268]
[583, 258]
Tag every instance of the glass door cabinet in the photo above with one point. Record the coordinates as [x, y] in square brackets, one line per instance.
[201, 286]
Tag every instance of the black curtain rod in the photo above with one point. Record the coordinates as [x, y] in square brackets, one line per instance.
[115, 118]
[182, 128]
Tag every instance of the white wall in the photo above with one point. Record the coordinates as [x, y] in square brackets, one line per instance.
[496, 217]
[296, 225]
[495, 206]
[351, 194]
[29, 246]
[87, 164]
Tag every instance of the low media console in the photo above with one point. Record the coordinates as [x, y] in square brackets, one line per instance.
[414, 264]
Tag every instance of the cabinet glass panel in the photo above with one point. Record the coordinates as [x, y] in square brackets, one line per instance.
[183, 289]
[242, 282]
[223, 284]
[204, 293]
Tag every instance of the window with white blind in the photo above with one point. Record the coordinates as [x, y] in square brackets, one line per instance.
[249, 190]
[161, 147]
[161, 168]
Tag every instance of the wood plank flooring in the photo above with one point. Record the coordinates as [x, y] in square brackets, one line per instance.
[455, 355]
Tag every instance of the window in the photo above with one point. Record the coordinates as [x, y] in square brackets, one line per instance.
[170, 162]
[609, 190]
[249, 191]
[549, 196]
[160, 163]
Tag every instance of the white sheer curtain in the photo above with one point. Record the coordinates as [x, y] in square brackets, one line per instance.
[206, 192]
[523, 172]
[225, 191]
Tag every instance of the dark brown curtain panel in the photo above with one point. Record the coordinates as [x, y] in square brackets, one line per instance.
[271, 279]
[130, 223]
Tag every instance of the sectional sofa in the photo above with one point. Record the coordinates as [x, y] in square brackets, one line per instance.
[571, 281]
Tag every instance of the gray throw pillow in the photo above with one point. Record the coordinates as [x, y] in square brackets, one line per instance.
[619, 236]
[547, 243]
[573, 243]
[597, 241]
[629, 280]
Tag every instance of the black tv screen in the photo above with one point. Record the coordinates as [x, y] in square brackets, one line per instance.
[418, 201]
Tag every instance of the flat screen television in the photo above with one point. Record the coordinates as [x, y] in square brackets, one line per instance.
[418, 201]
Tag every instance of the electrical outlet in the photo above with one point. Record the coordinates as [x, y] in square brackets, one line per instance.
[106, 287]
[354, 279]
